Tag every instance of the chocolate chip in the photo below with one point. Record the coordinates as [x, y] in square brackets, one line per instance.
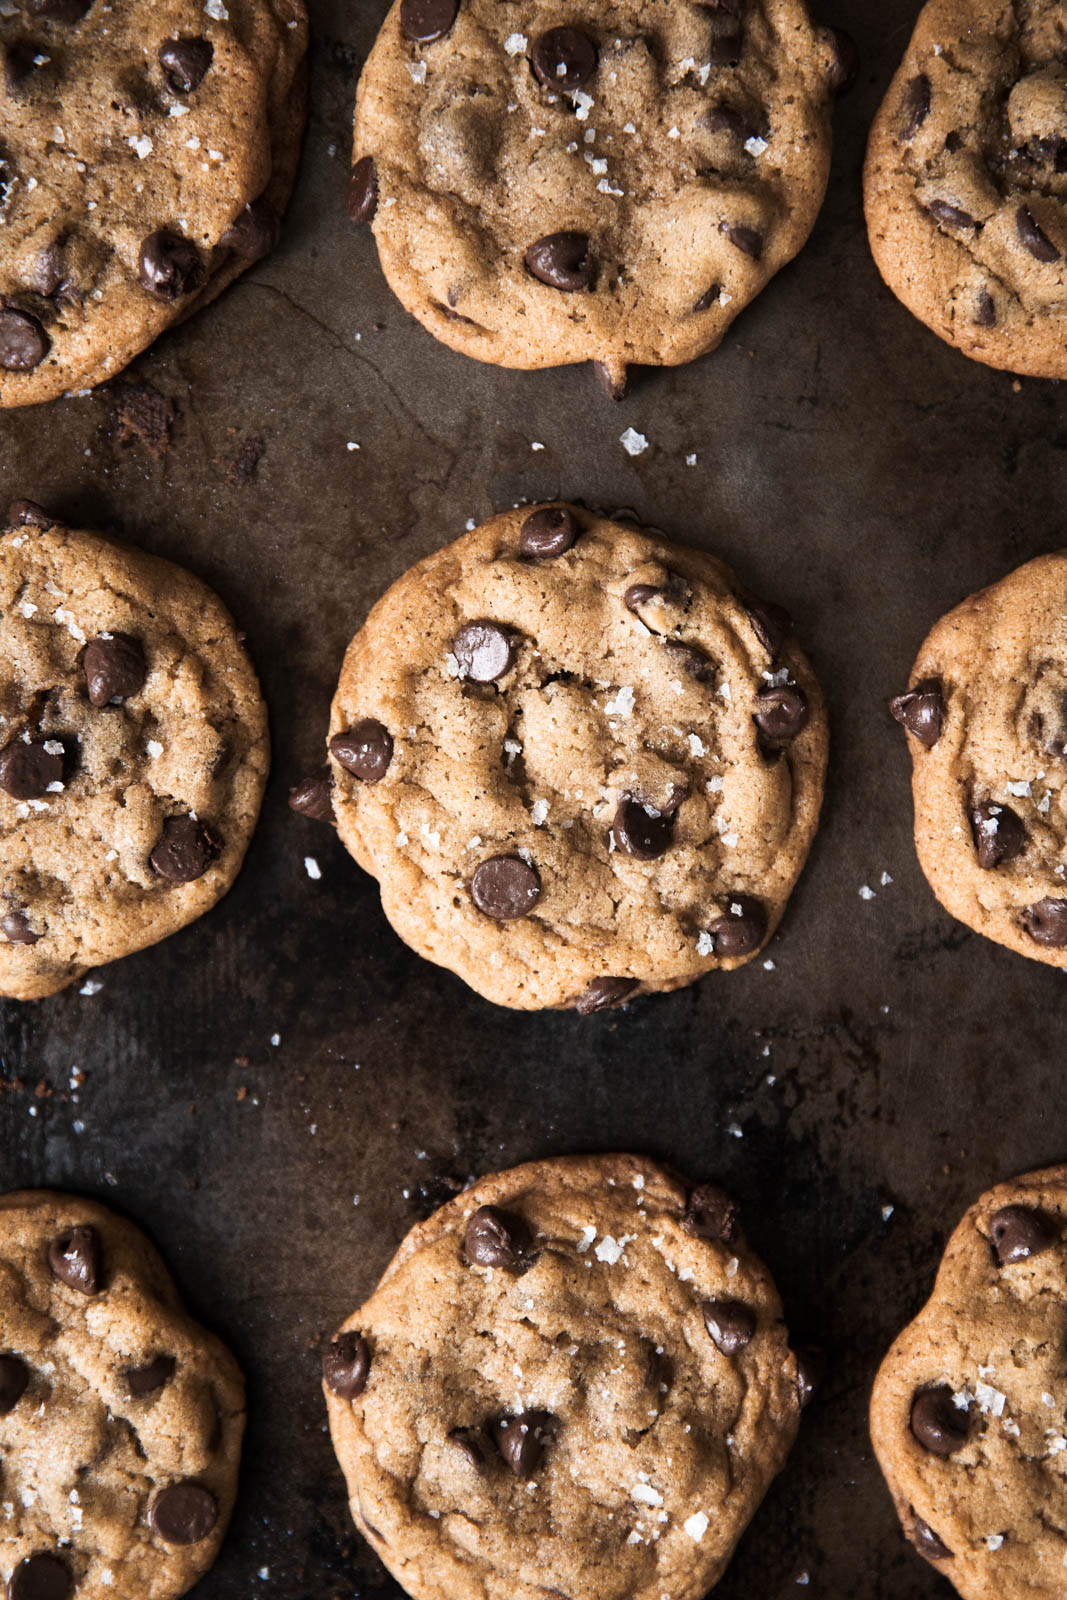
[49, 270]
[468, 1442]
[1032, 237]
[16, 929]
[23, 342]
[185, 62]
[74, 1257]
[363, 190]
[748, 240]
[692, 661]
[985, 311]
[427, 20]
[915, 106]
[483, 651]
[782, 713]
[548, 533]
[169, 266]
[640, 831]
[811, 1373]
[730, 1324]
[937, 1422]
[710, 1213]
[255, 232]
[1046, 922]
[365, 750]
[40, 1577]
[921, 711]
[493, 1238]
[184, 1513]
[520, 1441]
[564, 58]
[725, 118]
[772, 624]
[1020, 1232]
[313, 797]
[741, 929]
[998, 833]
[504, 887]
[639, 594]
[147, 1379]
[926, 1540]
[950, 216]
[185, 850]
[613, 380]
[708, 298]
[346, 1364]
[562, 261]
[28, 514]
[27, 769]
[14, 1376]
[114, 668]
[845, 65]
[603, 994]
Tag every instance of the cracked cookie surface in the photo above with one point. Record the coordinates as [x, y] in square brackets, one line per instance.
[966, 181]
[969, 1411]
[574, 1379]
[579, 760]
[986, 715]
[605, 183]
[120, 1418]
[133, 753]
[146, 154]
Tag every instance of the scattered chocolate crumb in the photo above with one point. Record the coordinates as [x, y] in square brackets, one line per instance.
[144, 415]
[242, 468]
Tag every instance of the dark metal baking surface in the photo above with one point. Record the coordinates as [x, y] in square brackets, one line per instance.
[277, 1092]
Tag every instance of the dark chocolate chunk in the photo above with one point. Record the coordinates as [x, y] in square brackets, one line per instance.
[640, 831]
[548, 533]
[691, 660]
[74, 1257]
[1033, 238]
[28, 514]
[782, 713]
[57, 10]
[184, 1513]
[504, 888]
[114, 667]
[811, 1373]
[169, 266]
[938, 1423]
[363, 190]
[772, 624]
[346, 1364]
[28, 767]
[998, 832]
[748, 240]
[564, 58]
[613, 381]
[711, 1213]
[426, 20]
[185, 62]
[151, 1377]
[23, 341]
[1046, 922]
[14, 1376]
[15, 926]
[639, 594]
[562, 261]
[709, 298]
[921, 710]
[313, 797]
[185, 850]
[915, 106]
[521, 1441]
[926, 1540]
[603, 994]
[985, 311]
[493, 1238]
[1020, 1232]
[731, 1325]
[365, 750]
[39, 1577]
[741, 929]
[255, 232]
[950, 216]
[483, 651]
[845, 65]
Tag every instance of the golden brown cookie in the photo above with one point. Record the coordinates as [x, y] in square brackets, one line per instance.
[580, 760]
[133, 752]
[969, 1411]
[574, 1379]
[986, 714]
[120, 1418]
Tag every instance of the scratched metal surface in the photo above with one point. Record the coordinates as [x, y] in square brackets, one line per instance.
[847, 465]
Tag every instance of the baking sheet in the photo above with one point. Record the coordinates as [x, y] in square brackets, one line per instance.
[250, 1080]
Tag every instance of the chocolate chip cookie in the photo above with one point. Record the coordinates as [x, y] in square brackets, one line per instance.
[573, 1379]
[120, 1418]
[133, 751]
[986, 715]
[604, 183]
[966, 181]
[147, 151]
[969, 1412]
[581, 761]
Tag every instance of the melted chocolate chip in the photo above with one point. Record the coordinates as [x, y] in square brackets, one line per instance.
[184, 1513]
[365, 750]
[185, 850]
[603, 994]
[950, 216]
[711, 1213]
[1032, 237]
[15, 926]
[14, 1376]
[782, 713]
[468, 1442]
[40, 1577]
[1046, 922]
[23, 341]
[1020, 1232]
[915, 106]
[564, 58]
[748, 240]
[483, 651]
[639, 594]
[312, 797]
[27, 769]
[741, 929]
[548, 533]
[346, 1364]
[74, 1257]
[731, 1325]
[921, 711]
[493, 1238]
[427, 20]
[772, 624]
[562, 261]
[999, 834]
[114, 668]
[926, 1540]
[642, 832]
[504, 888]
[185, 62]
[28, 514]
[845, 65]
[692, 661]
[363, 190]
[169, 266]
[151, 1377]
[811, 1373]
[709, 298]
[985, 311]
[937, 1422]
[521, 1441]
[255, 232]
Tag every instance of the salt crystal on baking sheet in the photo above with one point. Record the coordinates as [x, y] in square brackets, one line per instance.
[633, 443]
